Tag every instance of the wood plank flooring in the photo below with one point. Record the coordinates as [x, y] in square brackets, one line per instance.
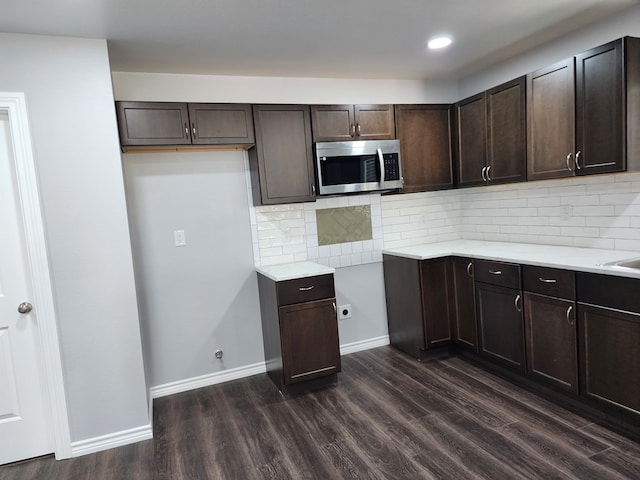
[388, 417]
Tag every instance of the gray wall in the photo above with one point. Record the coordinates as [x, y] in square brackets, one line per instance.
[203, 296]
[361, 286]
[625, 23]
[70, 106]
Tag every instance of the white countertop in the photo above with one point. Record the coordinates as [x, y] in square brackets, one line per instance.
[289, 271]
[568, 258]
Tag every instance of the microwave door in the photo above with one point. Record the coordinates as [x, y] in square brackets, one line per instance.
[348, 174]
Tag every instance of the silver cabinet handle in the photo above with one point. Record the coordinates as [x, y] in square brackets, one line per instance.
[517, 301]
[186, 129]
[335, 309]
[484, 178]
[193, 129]
[547, 280]
[25, 307]
[488, 172]
[306, 289]
[569, 162]
[495, 272]
[381, 160]
[569, 310]
[353, 130]
[313, 190]
[359, 130]
[470, 269]
[577, 161]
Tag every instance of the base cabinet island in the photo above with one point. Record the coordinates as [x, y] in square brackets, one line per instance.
[562, 321]
[299, 324]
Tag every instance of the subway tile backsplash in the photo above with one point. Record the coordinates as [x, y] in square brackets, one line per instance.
[600, 211]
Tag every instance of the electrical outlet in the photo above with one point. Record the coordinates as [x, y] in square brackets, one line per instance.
[565, 213]
[344, 311]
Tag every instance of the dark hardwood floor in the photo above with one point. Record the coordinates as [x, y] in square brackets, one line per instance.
[387, 417]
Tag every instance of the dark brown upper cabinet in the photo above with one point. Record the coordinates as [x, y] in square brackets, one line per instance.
[282, 160]
[339, 123]
[426, 146]
[172, 123]
[491, 136]
[583, 113]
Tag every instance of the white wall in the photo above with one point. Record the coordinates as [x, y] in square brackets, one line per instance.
[625, 23]
[202, 296]
[70, 105]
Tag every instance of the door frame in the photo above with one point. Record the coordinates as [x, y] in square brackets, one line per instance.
[14, 105]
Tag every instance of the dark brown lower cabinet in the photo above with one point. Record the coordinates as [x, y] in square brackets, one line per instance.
[299, 329]
[304, 327]
[418, 303]
[610, 356]
[499, 311]
[464, 326]
[551, 340]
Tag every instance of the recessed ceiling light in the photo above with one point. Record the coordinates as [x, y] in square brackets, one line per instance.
[439, 42]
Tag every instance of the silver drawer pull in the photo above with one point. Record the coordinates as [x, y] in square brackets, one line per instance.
[547, 280]
[306, 289]
[495, 272]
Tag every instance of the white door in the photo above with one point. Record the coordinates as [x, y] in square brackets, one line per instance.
[25, 428]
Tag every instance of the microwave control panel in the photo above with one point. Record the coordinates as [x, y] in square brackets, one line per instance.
[391, 166]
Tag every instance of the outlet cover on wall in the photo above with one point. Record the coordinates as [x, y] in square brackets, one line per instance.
[179, 238]
[344, 312]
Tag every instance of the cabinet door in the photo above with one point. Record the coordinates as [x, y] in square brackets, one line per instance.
[153, 123]
[309, 336]
[610, 356]
[374, 122]
[221, 123]
[471, 140]
[464, 313]
[551, 340]
[499, 311]
[404, 304]
[551, 121]
[333, 123]
[436, 308]
[506, 132]
[599, 110]
[282, 159]
[426, 146]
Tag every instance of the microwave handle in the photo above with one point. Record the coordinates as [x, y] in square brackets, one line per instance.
[381, 160]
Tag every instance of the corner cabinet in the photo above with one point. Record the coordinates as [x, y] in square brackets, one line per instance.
[418, 304]
[300, 329]
[584, 113]
[172, 123]
[342, 123]
[282, 160]
[426, 143]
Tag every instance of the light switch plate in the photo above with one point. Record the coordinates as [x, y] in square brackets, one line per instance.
[179, 238]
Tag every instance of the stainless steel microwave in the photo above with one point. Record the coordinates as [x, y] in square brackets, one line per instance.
[362, 166]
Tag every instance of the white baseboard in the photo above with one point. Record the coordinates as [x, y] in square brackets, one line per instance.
[207, 380]
[112, 440]
[248, 370]
[348, 348]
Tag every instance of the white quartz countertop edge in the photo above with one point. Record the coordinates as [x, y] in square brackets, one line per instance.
[568, 258]
[290, 271]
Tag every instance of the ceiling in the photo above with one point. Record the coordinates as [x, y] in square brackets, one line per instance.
[308, 38]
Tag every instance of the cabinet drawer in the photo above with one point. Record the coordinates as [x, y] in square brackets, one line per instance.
[549, 281]
[610, 291]
[497, 273]
[305, 289]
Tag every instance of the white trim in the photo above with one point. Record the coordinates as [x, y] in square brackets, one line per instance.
[207, 380]
[354, 347]
[15, 105]
[111, 440]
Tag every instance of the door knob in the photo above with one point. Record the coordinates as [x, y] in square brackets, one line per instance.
[25, 307]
